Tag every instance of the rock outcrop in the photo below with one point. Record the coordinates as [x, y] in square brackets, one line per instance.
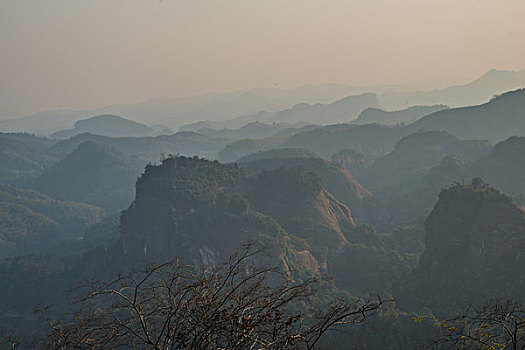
[475, 249]
[199, 211]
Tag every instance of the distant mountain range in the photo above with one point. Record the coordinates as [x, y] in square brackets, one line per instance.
[254, 130]
[145, 149]
[404, 116]
[175, 112]
[108, 125]
[481, 90]
[340, 111]
[228, 106]
[502, 117]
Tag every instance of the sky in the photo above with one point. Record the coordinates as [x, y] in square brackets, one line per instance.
[88, 53]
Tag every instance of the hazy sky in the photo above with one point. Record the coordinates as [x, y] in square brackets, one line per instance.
[88, 53]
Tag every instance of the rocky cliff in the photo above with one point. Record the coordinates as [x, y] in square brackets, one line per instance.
[335, 178]
[199, 211]
[475, 244]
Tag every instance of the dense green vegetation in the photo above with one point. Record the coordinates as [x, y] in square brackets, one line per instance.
[92, 174]
[407, 215]
[21, 156]
[474, 236]
[31, 221]
[336, 179]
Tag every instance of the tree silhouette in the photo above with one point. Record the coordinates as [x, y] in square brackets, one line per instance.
[240, 305]
[495, 325]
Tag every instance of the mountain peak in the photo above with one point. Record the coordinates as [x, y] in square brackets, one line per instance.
[107, 125]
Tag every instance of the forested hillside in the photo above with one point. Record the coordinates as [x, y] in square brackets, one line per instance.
[31, 221]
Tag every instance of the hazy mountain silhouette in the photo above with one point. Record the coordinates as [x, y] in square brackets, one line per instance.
[108, 125]
[496, 120]
[92, 174]
[175, 112]
[404, 116]
[245, 104]
[146, 149]
[340, 111]
[372, 140]
[278, 153]
[504, 167]
[254, 130]
[492, 83]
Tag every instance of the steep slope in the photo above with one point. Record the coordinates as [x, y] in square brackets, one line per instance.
[502, 117]
[108, 125]
[200, 211]
[474, 247]
[336, 179]
[404, 116]
[92, 174]
[189, 208]
[300, 203]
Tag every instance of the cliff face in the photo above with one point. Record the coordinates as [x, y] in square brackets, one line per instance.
[477, 232]
[298, 200]
[475, 245]
[199, 211]
[170, 200]
[335, 178]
